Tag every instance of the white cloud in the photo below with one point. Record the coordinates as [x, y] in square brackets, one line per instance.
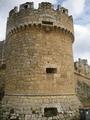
[82, 31]
[82, 41]
[81, 45]
[76, 7]
[35, 2]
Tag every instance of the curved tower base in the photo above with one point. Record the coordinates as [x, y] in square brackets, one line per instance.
[41, 107]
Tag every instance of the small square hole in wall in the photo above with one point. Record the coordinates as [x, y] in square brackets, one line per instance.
[50, 112]
[26, 6]
[47, 22]
[3, 67]
[51, 70]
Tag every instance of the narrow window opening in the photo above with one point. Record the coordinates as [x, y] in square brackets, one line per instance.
[3, 66]
[63, 11]
[50, 112]
[47, 22]
[26, 6]
[51, 70]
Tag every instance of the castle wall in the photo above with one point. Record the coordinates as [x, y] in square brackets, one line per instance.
[29, 53]
[33, 107]
[82, 77]
[82, 67]
[1, 51]
[2, 69]
[39, 64]
[38, 39]
[83, 88]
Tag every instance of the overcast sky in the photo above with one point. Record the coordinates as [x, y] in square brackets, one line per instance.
[80, 9]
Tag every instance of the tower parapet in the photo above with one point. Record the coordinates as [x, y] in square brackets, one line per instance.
[27, 5]
[64, 10]
[13, 11]
[46, 14]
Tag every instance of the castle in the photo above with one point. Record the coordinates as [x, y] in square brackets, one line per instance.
[37, 68]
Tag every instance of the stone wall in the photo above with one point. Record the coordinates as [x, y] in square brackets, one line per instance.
[39, 64]
[2, 69]
[81, 66]
[1, 52]
[83, 88]
[38, 39]
[2, 75]
[29, 52]
[33, 107]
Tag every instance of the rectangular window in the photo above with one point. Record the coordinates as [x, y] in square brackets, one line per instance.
[50, 112]
[51, 70]
[3, 66]
[47, 22]
[26, 6]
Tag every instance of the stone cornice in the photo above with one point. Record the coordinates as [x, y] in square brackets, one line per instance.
[46, 28]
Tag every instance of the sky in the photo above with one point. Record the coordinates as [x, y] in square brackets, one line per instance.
[79, 9]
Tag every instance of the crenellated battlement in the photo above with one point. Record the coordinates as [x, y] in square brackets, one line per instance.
[42, 6]
[46, 5]
[44, 15]
[13, 11]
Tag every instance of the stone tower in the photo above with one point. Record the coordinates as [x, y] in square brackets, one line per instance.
[39, 63]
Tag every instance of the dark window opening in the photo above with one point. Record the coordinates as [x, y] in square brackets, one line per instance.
[51, 70]
[26, 6]
[2, 93]
[12, 111]
[50, 112]
[3, 66]
[63, 11]
[47, 22]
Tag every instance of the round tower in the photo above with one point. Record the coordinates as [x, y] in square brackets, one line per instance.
[39, 63]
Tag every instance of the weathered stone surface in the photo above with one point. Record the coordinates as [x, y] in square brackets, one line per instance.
[33, 107]
[83, 88]
[29, 52]
[82, 67]
[39, 70]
